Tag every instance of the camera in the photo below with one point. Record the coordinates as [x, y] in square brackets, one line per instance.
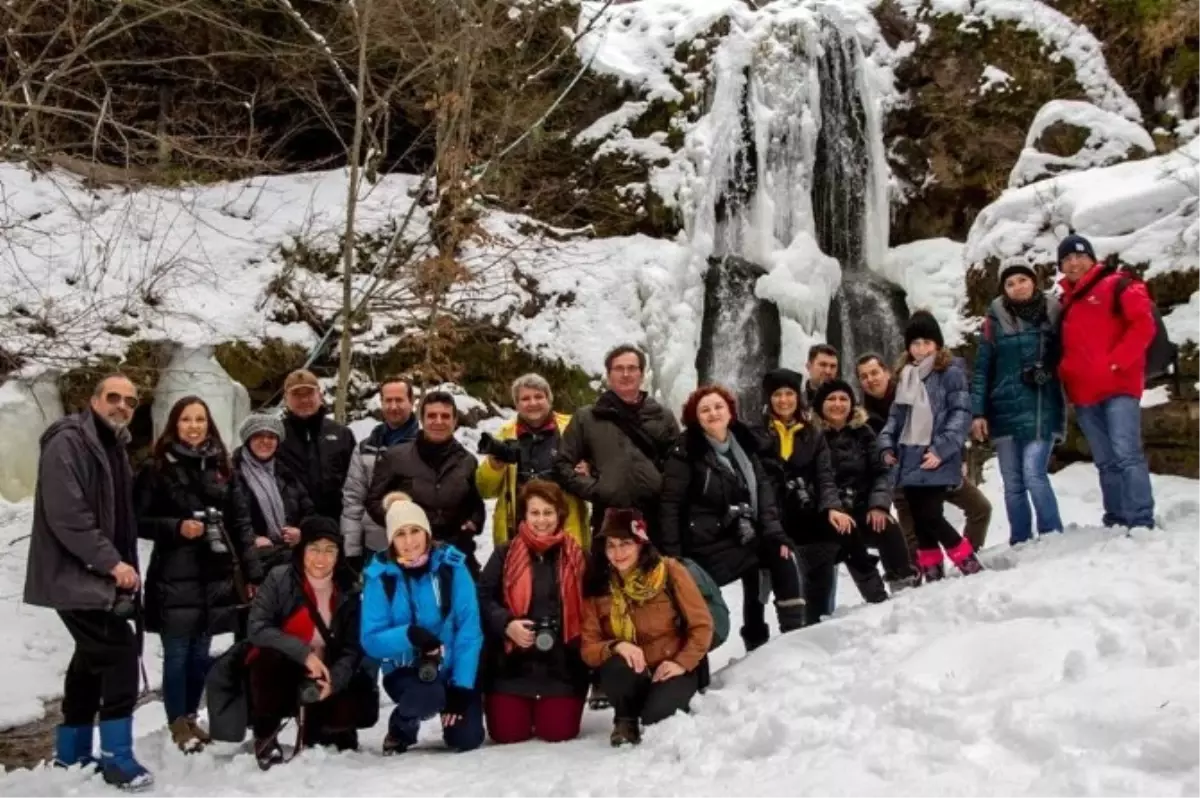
[847, 496]
[309, 692]
[428, 667]
[545, 634]
[213, 535]
[504, 451]
[124, 605]
[1036, 375]
[800, 492]
[740, 518]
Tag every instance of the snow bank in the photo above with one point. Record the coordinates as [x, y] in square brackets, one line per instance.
[933, 273]
[1111, 139]
[1143, 211]
[27, 407]
[1183, 322]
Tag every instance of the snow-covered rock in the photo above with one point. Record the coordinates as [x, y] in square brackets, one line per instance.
[1095, 137]
[932, 274]
[194, 372]
[1183, 322]
[27, 407]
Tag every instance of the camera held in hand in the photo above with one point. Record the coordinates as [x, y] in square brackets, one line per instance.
[428, 666]
[504, 451]
[309, 692]
[1037, 375]
[545, 634]
[212, 519]
[124, 605]
[848, 496]
[740, 518]
[801, 494]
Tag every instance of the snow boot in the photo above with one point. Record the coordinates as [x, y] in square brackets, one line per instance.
[903, 583]
[598, 700]
[73, 746]
[970, 565]
[185, 737]
[268, 753]
[963, 556]
[792, 614]
[929, 561]
[625, 732]
[869, 583]
[932, 573]
[755, 636]
[393, 745]
[117, 762]
[201, 733]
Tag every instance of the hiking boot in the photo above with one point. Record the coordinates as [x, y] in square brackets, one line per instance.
[598, 700]
[625, 732]
[755, 636]
[393, 745]
[932, 573]
[201, 733]
[268, 753]
[970, 565]
[117, 762]
[185, 737]
[904, 583]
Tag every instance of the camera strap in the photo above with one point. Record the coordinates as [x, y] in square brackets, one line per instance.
[317, 620]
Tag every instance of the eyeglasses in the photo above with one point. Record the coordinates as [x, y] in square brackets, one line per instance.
[323, 551]
[625, 369]
[115, 399]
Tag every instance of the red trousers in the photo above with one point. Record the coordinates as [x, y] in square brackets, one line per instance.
[515, 719]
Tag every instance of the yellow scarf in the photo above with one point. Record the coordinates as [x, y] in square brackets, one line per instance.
[638, 588]
[787, 435]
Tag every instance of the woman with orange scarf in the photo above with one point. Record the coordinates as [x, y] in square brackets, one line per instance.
[531, 600]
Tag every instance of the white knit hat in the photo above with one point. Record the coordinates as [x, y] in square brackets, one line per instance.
[403, 511]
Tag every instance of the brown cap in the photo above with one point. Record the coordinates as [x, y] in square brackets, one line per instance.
[300, 377]
[624, 525]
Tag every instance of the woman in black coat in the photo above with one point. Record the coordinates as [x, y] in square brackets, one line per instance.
[190, 586]
[797, 459]
[718, 508]
[863, 482]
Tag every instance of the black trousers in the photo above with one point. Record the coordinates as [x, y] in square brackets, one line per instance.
[102, 677]
[927, 506]
[634, 695]
[274, 695]
[891, 545]
[787, 583]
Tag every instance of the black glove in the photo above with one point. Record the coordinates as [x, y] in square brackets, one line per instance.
[423, 640]
[457, 700]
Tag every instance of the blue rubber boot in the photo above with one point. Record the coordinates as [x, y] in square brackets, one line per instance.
[116, 756]
[73, 746]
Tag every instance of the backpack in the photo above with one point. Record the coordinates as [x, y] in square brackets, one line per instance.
[711, 592]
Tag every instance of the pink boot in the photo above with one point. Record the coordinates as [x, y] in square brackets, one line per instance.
[929, 561]
[963, 556]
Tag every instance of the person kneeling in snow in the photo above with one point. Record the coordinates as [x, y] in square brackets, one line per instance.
[305, 657]
[531, 599]
[421, 621]
[646, 627]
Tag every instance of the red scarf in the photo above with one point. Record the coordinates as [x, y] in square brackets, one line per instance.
[518, 576]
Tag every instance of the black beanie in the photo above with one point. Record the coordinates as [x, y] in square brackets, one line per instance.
[1074, 243]
[829, 387]
[1013, 266]
[922, 324]
[318, 527]
[782, 378]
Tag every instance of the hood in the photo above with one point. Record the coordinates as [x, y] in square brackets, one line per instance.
[441, 554]
[76, 421]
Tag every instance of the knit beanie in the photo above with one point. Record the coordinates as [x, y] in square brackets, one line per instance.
[401, 510]
[782, 378]
[831, 387]
[318, 527]
[260, 422]
[922, 324]
[1074, 243]
[1016, 265]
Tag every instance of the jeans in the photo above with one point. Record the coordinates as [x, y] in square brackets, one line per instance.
[417, 701]
[102, 678]
[1113, 429]
[186, 662]
[1023, 467]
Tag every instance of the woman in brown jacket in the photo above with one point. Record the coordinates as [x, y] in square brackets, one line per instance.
[646, 628]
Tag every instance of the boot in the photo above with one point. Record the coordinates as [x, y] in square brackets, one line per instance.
[625, 732]
[755, 636]
[904, 583]
[73, 746]
[268, 753]
[963, 556]
[932, 573]
[929, 561]
[185, 737]
[201, 733]
[792, 614]
[869, 583]
[393, 745]
[598, 700]
[116, 756]
[970, 565]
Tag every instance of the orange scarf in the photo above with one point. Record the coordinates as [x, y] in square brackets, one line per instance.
[518, 576]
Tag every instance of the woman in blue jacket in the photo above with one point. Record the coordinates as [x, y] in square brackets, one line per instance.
[924, 436]
[420, 619]
[1017, 399]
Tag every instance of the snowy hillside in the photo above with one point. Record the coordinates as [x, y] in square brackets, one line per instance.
[1072, 667]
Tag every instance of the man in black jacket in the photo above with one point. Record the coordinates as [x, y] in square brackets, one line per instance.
[316, 450]
[83, 563]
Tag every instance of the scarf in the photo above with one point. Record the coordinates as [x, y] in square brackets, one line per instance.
[1031, 312]
[260, 478]
[413, 565]
[637, 588]
[787, 435]
[918, 428]
[518, 577]
[731, 454]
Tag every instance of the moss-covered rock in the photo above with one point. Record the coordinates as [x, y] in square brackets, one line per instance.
[262, 367]
[1170, 434]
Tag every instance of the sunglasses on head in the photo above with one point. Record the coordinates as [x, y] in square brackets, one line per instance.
[114, 398]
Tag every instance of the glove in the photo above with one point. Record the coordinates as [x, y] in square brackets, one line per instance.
[423, 640]
[457, 700]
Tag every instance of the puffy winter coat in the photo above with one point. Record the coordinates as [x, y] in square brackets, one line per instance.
[1104, 353]
[809, 462]
[528, 672]
[447, 494]
[416, 598]
[296, 507]
[1007, 348]
[950, 401]
[698, 492]
[317, 451]
[861, 475]
[189, 588]
[502, 483]
[623, 473]
[359, 529]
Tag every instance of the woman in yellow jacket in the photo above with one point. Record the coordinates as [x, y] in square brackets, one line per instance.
[523, 450]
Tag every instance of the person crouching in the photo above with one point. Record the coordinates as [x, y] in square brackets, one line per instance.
[305, 659]
[531, 599]
[421, 621]
[646, 627]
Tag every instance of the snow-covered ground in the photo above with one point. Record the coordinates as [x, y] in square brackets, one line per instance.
[1071, 667]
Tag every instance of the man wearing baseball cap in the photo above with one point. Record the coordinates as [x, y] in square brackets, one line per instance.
[316, 449]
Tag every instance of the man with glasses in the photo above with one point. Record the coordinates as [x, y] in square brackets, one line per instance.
[83, 563]
[316, 449]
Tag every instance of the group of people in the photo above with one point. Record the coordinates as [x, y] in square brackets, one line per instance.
[340, 566]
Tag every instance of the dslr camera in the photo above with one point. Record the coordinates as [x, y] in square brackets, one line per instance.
[309, 692]
[428, 667]
[800, 493]
[212, 519]
[740, 518]
[1037, 375]
[504, 451]
[545, 634]
[848, 496]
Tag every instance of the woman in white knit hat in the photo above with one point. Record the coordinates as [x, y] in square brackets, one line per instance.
[420, 619]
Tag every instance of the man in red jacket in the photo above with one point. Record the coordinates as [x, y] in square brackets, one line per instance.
[1104, 342]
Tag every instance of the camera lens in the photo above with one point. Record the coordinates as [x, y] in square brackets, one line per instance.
[544, 641]
[310, 692]
[427, 671]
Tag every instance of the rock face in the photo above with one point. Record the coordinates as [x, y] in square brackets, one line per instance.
[26, 409]
[1170, 434]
